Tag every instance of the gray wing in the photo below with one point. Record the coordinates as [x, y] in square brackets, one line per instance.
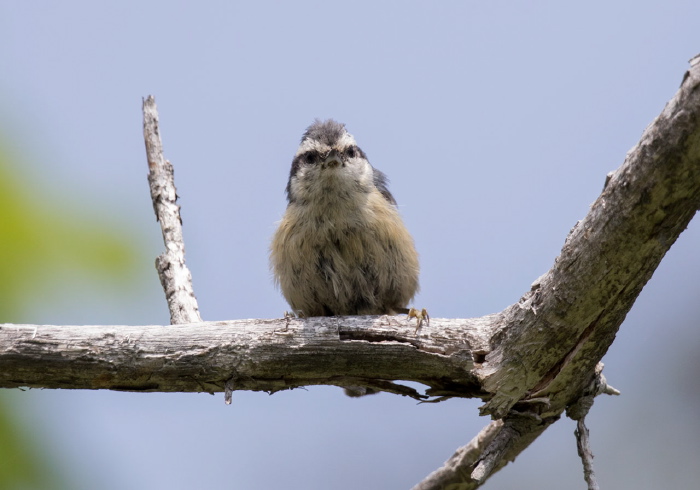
[382, 184]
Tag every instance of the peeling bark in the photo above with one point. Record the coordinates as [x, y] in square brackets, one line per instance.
[529, 363]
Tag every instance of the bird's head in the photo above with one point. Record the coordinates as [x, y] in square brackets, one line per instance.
[329, 164]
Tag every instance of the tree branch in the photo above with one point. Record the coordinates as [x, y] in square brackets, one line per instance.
[578, 411]
[529, 362]
[259, 355]
[174, 275]
[585, 453]
[455, 472]
[546, 350]
[562, 327]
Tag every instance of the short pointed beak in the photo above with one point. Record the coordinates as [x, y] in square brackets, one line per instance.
[332, 160]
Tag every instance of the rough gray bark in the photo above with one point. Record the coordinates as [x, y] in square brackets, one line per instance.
[544, 355]
[457, 469]
[529, 363]
[174, 275]
[571, 314]
[260, 355]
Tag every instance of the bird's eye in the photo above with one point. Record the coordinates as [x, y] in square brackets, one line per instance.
[351, 152]
[311, 158]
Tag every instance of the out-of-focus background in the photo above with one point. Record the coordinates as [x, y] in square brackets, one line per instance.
[496, 123]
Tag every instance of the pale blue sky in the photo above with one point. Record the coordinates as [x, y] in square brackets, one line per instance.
[496, 123]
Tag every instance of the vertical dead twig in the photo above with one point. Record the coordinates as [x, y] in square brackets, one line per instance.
[585, 453]
[174, 275]
[578, 411]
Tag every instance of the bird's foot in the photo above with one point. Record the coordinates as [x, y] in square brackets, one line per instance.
[291, 315]
[420, 316]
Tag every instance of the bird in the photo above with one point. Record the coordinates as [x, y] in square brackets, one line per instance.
[341, 247]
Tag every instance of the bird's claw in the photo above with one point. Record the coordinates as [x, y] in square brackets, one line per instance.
[420, 316]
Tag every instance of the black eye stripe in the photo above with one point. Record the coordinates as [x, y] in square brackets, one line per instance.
[310, 157]
[313, 157]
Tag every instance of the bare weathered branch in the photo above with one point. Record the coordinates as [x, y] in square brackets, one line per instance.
[586, 454]
[555, 335]
[174, 275]
[455, 473]
[529, 363]
[545, 355]
[495, 446]
[261, 355]
[578, 411]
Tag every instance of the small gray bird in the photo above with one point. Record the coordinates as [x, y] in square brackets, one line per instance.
[341, 247]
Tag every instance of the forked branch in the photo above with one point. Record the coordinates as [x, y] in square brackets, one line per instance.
[529, 363]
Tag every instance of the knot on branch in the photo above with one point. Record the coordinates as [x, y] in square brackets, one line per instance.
[598, 386]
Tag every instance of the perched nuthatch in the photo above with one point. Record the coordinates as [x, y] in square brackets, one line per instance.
[341, 247]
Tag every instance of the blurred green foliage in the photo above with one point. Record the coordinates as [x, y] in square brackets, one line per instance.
[39, 237]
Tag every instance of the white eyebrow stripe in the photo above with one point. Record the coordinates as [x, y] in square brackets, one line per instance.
[346, 141]
[309, 145]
